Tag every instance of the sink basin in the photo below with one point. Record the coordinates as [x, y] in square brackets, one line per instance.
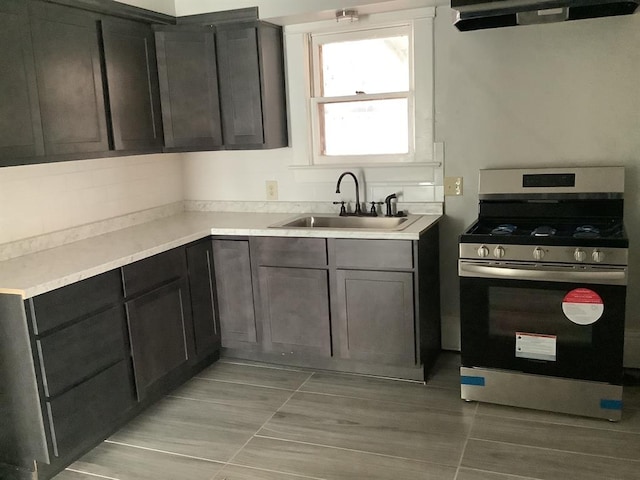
[350, 223]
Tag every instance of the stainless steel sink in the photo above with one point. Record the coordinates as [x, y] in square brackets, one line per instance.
[350, 223]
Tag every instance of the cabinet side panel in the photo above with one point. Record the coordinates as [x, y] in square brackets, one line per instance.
[274, 103]
[22, 436]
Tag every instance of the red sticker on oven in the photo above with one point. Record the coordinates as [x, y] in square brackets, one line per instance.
[583, 306]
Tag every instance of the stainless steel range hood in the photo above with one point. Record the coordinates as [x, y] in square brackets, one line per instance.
[480, 14]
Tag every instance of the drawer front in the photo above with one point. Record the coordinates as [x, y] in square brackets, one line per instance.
[290, 252]
[87, 412]
[151, 272]
[393, 254]
[66, 304]
[73, 354]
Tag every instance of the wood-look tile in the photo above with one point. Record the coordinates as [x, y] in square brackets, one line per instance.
[260, 375]
[469, 474]
[334, 463]
[190, 427]
[129, 463]
[630, 417]
[69, 475]
[631, 396]
[395, 429]
[546, 464]
[234, 472]
[388, 390]
[233, 394]
[559, 437]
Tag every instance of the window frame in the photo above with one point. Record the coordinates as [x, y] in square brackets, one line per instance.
[315, 41]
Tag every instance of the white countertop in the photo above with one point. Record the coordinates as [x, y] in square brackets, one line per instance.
[40, 272]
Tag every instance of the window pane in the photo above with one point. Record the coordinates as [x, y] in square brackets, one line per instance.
[371, 127]
[376, 65]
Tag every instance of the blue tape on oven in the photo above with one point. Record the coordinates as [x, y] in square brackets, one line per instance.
[609, 404]
[472, 380]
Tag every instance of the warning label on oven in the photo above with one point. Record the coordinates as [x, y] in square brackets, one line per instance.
[583, 306]
[536, 346]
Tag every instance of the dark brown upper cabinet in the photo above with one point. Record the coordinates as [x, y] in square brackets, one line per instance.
[20, 128]
[132, 80]
[69, 74]
[189, 88]
[252, 86]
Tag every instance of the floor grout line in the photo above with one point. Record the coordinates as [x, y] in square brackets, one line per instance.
[91, 474]
[268, 420]
[166, 452]
[232, 382]
[466, 442]
[366, 452]
[273, 471]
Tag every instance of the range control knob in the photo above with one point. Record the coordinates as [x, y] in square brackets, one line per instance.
[483, 251]
[538, 253]
[498, 252]
[580, 255]
[598, 255]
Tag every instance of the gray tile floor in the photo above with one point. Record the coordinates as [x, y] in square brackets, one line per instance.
[244, 421]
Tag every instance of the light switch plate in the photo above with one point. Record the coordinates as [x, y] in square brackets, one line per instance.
[272, 189]
[453, 185]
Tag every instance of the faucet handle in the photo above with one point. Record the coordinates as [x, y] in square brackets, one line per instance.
[374, 211]
[343, 210]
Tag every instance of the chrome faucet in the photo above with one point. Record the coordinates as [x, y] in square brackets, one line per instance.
[358, 210]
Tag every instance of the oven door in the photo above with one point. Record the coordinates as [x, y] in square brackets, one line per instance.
[548, 323]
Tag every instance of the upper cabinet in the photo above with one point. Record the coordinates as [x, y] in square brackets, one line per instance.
[132, 79]
[20, 128]
[67, 57]
[189, 88]
[252, 87]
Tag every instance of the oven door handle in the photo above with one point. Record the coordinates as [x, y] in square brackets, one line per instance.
[602, 276]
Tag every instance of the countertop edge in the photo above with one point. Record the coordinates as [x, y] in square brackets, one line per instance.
[41, 272]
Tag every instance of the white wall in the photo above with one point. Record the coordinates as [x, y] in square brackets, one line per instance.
[548, 95]
[39, 199]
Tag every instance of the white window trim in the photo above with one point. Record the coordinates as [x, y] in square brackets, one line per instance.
[299, 85]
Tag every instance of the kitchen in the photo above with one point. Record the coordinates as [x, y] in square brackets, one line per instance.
[561, 94]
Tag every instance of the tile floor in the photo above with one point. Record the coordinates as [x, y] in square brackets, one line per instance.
[246, 421]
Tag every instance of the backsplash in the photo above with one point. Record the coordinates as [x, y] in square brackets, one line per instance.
[40, 199]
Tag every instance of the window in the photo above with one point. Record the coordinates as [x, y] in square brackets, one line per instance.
[362, 99]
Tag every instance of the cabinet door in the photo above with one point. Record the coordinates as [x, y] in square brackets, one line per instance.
[375, 317]
[158, 330]
[132, 79]
[206, 328]
[189, 89]
[20, 128]
[295, 309]
[232, 267]
[67, 55]
[240, 93]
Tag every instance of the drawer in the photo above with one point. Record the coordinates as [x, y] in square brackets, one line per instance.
[290, 252]
[151, 272]
[73, 354]
[379, 254]
[89, 411]
[74, 301]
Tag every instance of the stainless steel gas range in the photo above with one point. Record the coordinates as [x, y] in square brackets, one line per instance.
[543, 274]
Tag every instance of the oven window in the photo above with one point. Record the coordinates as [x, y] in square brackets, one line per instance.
[536, 311]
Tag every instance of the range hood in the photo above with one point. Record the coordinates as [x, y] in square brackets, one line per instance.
[480, 14]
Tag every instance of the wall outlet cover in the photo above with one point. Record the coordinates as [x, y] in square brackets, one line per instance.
[272, 190]
[453, 186]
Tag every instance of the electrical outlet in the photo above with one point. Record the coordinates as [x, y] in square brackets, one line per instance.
[453, 185]
[272, 190]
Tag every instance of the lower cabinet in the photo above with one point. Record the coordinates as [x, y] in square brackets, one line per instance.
[234, 288]
[206, 325]
[375, 316]
[80, 347]
[158, 330]
[295, 311]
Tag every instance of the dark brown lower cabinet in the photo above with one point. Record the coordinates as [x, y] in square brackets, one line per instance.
[375, 316]
[159, 334]
[206, 326]
[234, 286]
[295, 311]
